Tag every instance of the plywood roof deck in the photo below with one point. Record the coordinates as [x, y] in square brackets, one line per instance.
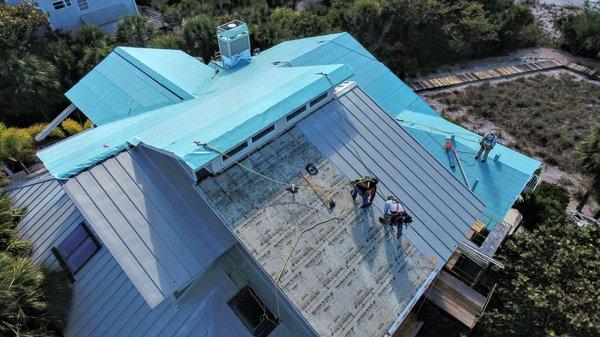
[349, 276]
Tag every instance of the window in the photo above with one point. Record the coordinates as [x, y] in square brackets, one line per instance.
[295, 113]
[263, 133]
[253, 312]
[235, 150]
[318, 99]
[83, 5]
[77, 249]
[58, 4]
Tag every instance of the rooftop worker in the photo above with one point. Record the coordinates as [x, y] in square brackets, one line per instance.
[486, 145]
[366, 187]
[394, 214]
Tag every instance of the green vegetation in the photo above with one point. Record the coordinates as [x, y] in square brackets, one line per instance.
[546, 204]
[33, 298]
[549, 286]
[408, 35]
[548, 116]
[588, 160]
[581, 31]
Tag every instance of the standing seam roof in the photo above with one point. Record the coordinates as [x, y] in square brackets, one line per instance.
[362, 139]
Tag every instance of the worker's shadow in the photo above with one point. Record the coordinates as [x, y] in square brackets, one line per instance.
[364, 231]
[400, 264]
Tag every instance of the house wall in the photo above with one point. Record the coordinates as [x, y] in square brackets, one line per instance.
[68, 18]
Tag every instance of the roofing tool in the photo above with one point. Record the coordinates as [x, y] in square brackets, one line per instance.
[311, 169]
[327, 200]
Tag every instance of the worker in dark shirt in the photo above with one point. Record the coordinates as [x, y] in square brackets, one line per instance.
[366, 187]
[486, 145]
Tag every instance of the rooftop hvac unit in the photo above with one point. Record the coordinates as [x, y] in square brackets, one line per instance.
[234, 42]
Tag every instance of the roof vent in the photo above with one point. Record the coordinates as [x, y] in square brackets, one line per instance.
[234, 42]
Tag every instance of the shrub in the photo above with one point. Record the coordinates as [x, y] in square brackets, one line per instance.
[548, 203]
[71, 126]
[35, 129]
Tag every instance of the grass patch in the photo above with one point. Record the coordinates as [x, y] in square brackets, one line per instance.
[547, 115]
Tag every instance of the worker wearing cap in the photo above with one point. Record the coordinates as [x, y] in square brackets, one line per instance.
[486, 145]
[366, 187]
[394, 214]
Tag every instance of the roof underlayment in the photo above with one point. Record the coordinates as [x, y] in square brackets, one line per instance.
[348, 275]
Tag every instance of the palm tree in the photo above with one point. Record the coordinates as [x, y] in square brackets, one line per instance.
[16, 145]
[134, 30]
[28, 86]
[33, 299]
[198, 36]
[588, 160]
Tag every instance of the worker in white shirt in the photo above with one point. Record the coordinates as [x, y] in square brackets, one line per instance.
[394, 214]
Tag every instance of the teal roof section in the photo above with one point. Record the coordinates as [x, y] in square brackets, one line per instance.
[115, 89]
[498, 182]
[237, 104]
[183, 74]
[230, 106]
[135, 80]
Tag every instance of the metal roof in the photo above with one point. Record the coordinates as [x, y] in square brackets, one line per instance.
[104, 300]
[498, 182]
[237, 104]
[150, 218]
[360, 138]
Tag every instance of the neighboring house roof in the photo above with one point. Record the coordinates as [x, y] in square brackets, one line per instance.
[151, 219]
[238, 103]
[102, 16]
[349, 276]
[105, 302]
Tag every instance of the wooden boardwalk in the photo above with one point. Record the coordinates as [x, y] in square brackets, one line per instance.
[502, 72]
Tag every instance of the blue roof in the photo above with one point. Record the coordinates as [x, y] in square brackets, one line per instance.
[230, 108]
[149, 101]
[499, 182]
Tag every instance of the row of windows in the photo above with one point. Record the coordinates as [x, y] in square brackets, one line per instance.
[291, 116]
[83, 4]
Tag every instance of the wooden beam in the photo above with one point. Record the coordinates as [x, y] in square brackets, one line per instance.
[56, 122]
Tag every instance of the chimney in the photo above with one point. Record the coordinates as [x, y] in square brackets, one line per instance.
[234, 42]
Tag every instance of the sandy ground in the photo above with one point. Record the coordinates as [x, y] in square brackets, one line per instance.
[572, 181]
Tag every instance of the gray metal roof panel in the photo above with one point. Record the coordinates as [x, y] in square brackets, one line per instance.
[354, 131]
[160, 240]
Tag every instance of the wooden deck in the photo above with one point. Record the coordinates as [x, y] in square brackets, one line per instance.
[502, 72]
[457, 299]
